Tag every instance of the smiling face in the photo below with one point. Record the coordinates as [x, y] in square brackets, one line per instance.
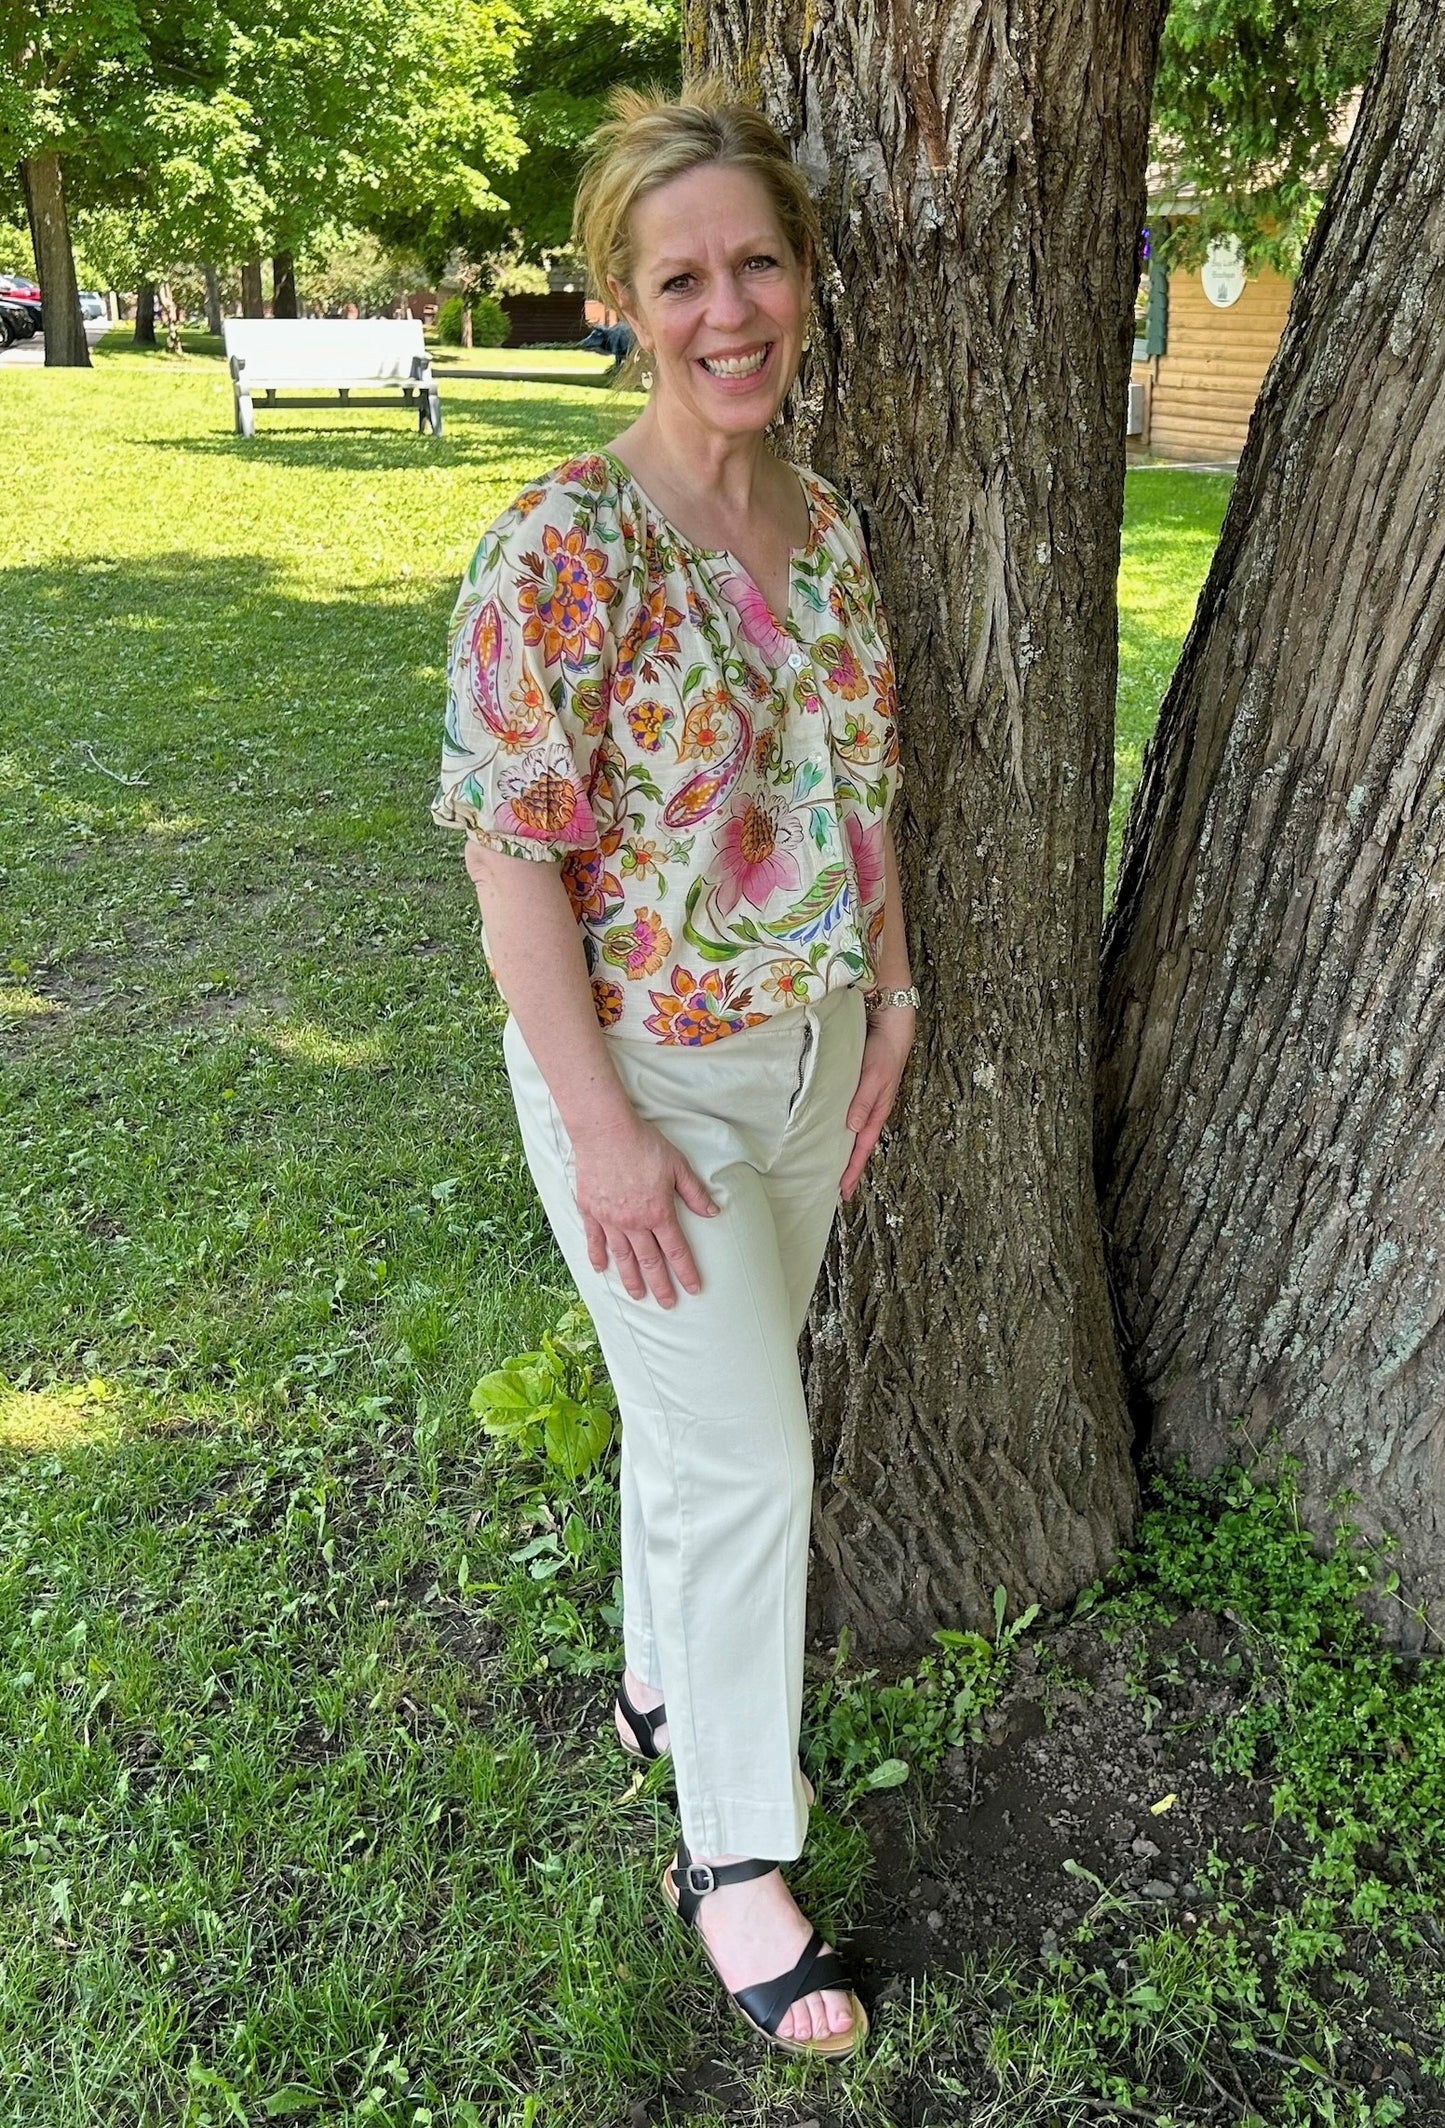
[719, 297]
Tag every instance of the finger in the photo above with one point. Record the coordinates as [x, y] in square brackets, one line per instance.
[863, 1145]
[653, 1266]
[626, 1264]
[693, 1191]
[873, 1087]
[674, 1247]
[596, 1242]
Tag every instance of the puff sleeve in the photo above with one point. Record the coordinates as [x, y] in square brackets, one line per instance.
[527, 649]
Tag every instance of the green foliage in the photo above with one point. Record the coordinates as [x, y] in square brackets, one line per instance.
[873, 1734]
[571, 55]
[1247, 103]
[558, 1398]
[1353, 1738]
[490, 324]
[344, 266]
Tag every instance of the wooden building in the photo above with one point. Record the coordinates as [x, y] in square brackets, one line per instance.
[1208, 336]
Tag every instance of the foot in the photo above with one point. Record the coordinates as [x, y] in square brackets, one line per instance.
[644, 1698]
[754, 1932]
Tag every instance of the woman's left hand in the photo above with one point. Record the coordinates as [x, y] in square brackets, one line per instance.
[885, 1052]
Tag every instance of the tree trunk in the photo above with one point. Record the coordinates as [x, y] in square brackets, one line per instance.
[981, 178]
[1272, 1107]
[466, 319]
[145, 314]
[253, 301]
[214, 320]
[64, 328]
[283, 286]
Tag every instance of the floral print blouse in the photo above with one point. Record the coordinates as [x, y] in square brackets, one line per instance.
[715, 781]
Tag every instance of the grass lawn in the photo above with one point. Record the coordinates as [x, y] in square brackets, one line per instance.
[307, 1803]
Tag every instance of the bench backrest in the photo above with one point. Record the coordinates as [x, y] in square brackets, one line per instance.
[324, 350]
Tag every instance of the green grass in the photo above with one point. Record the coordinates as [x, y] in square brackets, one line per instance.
[307, 1808]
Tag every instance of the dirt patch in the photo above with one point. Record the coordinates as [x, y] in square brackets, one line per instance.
[1055, 1816]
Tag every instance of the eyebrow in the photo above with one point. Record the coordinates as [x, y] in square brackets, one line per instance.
[744, 251]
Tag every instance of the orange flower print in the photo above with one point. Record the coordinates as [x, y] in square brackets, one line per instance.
[696, 1011]
[648, 721]
[845, 675]
[638, 948]
[709, 727]
[528, 500]
[641, 857]
[569, 580]
[790, 985]
[593, 891]
[543, 802]
[607, 1000]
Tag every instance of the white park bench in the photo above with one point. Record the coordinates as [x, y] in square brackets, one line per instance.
[348, 356]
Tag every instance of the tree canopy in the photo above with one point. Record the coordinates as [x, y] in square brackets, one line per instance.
[1248, 104]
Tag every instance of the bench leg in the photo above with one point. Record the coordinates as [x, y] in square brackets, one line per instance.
[429, 413]
[245, 415]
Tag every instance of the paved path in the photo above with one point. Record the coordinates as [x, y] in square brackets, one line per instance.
[30, 354]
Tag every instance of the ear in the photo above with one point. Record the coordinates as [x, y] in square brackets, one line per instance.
[623, 303]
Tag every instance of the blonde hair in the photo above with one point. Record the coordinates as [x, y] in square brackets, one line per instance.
[652, 138]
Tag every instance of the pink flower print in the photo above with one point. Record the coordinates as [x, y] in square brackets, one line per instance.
[754, 844]
[866, 845]
[756, 617]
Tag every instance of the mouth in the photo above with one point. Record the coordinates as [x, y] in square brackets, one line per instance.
[730, 369]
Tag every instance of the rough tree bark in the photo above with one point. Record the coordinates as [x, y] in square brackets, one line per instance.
[1272, 1104]
[214, 320]
[64, 328]
[283, 286]
[980, 171]
[145, 315]
[253, 301]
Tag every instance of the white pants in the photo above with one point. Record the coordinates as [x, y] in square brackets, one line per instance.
[717, 1468]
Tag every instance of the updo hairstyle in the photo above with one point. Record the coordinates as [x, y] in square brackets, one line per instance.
[652, 138]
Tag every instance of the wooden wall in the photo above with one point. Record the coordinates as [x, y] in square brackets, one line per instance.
[1202, 390]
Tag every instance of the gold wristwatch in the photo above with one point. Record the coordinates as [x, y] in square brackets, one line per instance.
[880, 1000]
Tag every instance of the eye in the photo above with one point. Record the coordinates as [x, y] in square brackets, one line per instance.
[761, 258]
[676, 284]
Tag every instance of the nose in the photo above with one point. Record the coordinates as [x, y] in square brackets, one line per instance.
[730, 303]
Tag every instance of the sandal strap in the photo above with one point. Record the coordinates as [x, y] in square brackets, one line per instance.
[692, 1881]
[644, 1726]
[768, 2002]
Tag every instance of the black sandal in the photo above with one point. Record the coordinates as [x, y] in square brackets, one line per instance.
[764, 2005]
[644, 1727]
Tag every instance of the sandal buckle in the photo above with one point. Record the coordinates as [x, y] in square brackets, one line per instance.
[699, 1879]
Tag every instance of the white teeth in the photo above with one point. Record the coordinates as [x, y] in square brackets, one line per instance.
[736, 365]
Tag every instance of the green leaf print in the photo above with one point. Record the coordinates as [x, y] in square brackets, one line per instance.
[816, 903]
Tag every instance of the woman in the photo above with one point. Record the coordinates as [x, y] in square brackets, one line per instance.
[671, 743]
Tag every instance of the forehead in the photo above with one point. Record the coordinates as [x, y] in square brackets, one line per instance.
[710, 209]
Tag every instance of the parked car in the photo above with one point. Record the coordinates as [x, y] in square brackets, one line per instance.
[7, 332]
[92, 304]
[20, 298]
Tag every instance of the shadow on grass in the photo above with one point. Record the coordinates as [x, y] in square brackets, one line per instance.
[550, 423]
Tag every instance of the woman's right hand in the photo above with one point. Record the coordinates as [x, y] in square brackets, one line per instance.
[629, 1178]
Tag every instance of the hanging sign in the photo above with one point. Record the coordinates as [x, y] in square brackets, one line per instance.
[1223, 272]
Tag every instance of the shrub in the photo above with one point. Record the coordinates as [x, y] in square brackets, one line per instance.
[489, 322]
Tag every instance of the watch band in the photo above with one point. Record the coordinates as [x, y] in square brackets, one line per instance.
[880, 1000]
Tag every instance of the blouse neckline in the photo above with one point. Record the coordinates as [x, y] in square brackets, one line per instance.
[721, 554]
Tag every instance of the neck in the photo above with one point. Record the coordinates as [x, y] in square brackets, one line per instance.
[697, 461]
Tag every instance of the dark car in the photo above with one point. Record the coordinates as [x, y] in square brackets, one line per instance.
[20, 300]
